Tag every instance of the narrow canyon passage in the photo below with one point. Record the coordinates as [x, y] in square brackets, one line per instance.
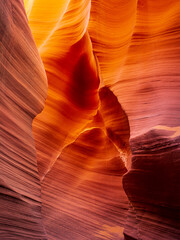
[82, 194]
[90, 120]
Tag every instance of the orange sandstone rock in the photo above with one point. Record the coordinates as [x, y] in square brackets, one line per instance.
[23, 92]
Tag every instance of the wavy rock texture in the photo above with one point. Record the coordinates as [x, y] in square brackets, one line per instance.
[140, 63]
[111, 116]
[23, 92]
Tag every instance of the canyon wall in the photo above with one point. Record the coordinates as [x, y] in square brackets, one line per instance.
[23, 93]
[107, 140]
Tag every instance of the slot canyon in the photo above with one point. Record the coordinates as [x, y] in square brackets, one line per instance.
[90, 120]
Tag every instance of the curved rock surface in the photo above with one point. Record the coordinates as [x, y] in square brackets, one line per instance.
[23, 92]
[87, 201]
[107, 139]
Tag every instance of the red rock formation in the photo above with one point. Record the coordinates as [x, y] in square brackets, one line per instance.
[140, 63]
[23, 92]
[112, 106]
[82, 195]
[72, 101]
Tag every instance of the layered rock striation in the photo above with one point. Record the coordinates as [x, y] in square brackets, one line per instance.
[107, 139]
[23, 92]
